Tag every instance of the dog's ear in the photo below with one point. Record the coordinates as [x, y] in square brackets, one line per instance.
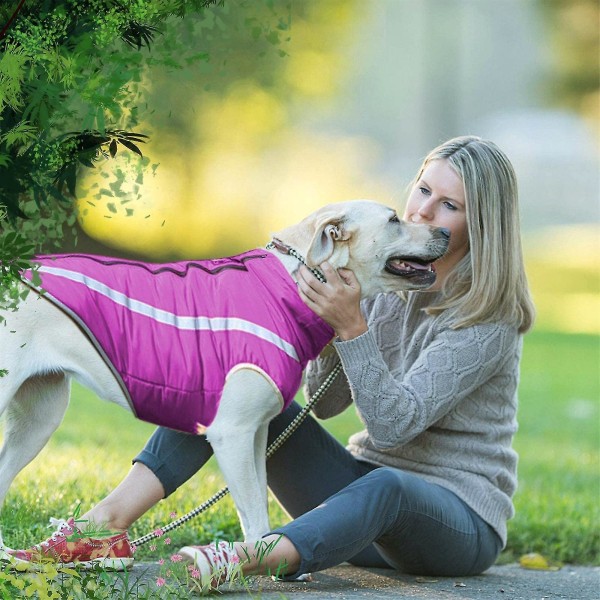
[327, 233]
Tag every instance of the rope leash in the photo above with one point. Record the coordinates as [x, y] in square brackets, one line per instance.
[279, 441]
[278, 245]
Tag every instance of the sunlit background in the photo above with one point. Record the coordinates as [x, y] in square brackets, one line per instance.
[256, 138]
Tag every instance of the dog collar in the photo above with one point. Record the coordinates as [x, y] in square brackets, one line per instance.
[278, 245]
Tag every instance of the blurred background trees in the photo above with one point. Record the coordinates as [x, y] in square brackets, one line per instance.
[258, 112]
[574, 82]
[234, 161]
[75, 78]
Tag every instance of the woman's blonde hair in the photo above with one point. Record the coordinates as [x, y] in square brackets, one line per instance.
[489, 283]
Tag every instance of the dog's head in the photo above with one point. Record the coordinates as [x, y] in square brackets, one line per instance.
[385, 253]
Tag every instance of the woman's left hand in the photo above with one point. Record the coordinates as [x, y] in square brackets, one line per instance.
[337, 302]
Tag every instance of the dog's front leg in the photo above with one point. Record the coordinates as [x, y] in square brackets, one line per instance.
[238, 436]
[33, 414]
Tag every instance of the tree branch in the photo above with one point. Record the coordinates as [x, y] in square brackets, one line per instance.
[14, 16]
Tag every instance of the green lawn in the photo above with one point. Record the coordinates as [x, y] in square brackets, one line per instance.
[558, 501]
[558, 509]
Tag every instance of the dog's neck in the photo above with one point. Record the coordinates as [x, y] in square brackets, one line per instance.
[291, 258]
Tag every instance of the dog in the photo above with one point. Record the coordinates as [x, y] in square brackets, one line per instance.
[45, 343]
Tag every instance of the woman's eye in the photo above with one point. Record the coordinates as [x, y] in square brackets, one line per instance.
[424, 191]
[449, 205]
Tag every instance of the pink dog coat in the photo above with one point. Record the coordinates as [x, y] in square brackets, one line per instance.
[173, 332]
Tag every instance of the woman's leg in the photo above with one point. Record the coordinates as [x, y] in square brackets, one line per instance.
[419, 528]
[309, 468]
[168, 460]
[137, 493]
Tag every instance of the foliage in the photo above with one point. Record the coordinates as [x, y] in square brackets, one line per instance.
[173, 580]
[232, 141]
[572, 27]
[14, 252]
[74, 584]
[74, 75]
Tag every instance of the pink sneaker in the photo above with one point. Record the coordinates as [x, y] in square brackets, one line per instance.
[216, 562]
[68, 546]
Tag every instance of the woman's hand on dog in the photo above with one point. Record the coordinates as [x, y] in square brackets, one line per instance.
[337, 301]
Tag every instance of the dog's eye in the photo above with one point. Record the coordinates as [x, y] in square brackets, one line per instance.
[395, 219]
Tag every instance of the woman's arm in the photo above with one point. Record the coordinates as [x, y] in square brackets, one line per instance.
[337, 397]
[343, 310]
[397, 406]
[396, 409]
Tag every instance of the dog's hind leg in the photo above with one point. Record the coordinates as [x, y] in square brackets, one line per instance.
[32, 415]
[238, 436]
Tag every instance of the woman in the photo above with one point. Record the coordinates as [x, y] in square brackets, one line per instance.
[426, 488]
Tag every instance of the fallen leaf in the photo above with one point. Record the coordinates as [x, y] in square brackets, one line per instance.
[459, 584]
[425, 580]
[536, 561]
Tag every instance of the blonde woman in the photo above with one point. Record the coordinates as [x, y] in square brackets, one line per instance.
[427, 487]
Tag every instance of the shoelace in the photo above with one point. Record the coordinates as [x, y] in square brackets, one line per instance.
[59, 526]
[221, 558]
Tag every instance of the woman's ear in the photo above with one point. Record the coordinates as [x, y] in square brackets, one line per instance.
[322, 245]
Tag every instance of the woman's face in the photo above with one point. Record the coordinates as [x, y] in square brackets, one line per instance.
[438, 199]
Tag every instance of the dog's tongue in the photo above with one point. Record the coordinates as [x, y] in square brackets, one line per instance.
[413, 265]
[417, 266]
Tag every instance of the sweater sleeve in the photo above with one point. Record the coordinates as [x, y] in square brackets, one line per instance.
[338, 397]
[395, 409]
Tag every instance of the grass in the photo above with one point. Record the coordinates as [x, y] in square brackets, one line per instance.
[558, 513]
[557, 503]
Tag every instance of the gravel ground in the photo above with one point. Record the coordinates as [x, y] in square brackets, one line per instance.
[507, 582]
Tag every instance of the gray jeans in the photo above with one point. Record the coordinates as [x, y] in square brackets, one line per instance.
[345, 509]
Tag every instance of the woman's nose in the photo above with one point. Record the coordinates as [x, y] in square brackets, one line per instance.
[425, 211]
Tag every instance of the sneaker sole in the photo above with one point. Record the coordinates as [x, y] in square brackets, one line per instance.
[108, 564]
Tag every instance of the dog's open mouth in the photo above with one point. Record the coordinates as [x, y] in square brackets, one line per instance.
[404, 267]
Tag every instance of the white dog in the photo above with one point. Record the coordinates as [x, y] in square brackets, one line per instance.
[44, 344]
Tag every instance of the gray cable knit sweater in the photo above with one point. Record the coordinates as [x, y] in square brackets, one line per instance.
[436, 402]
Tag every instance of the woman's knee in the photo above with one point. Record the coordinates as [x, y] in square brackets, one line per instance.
[389, 480]
[413, 492]
[383, 491]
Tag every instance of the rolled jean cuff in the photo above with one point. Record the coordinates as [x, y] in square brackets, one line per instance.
[162, 472]
[301, 545]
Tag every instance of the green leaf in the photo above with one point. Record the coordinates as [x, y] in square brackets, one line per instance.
[21, 134]
[131, 146]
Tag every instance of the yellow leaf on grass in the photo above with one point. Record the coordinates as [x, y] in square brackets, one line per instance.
[538, 562]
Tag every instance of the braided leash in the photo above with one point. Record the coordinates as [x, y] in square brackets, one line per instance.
[279, 441]
[278, 245]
